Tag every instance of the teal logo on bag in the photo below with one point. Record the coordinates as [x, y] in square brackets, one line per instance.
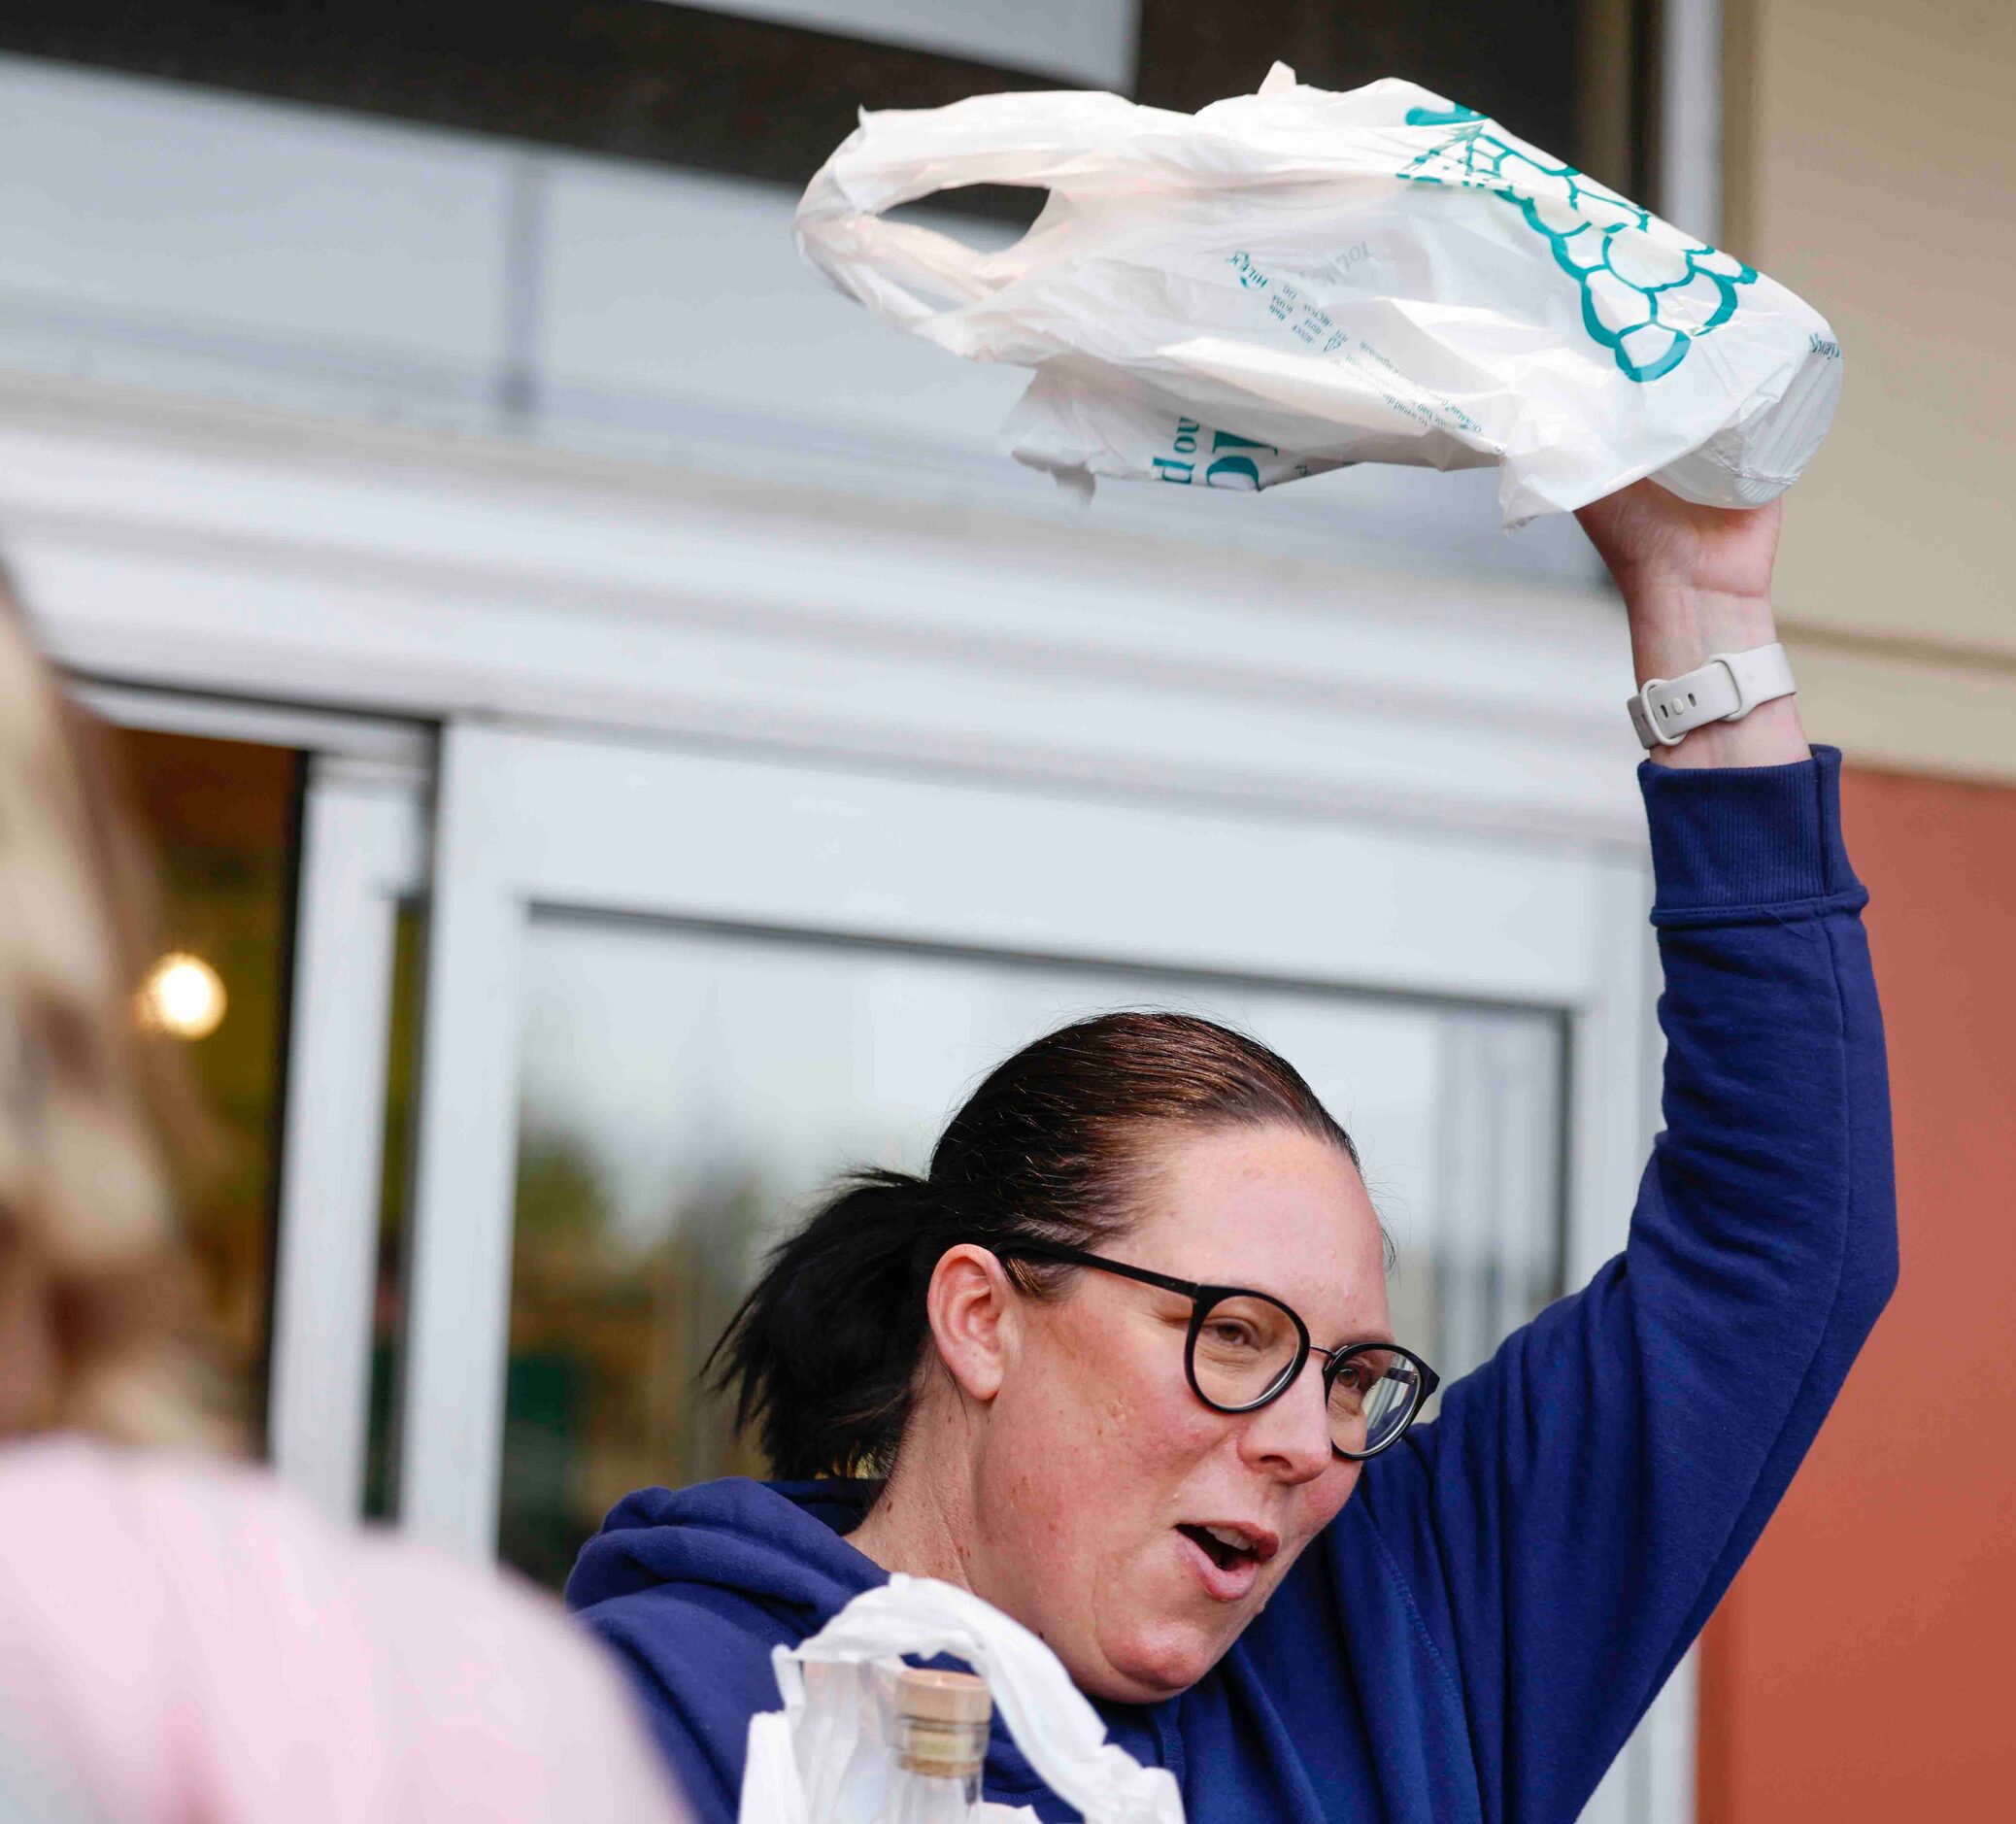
[1644, 297]
[1218, 450]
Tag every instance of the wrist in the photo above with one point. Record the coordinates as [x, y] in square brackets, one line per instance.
[1771, 735]
[1674, 630]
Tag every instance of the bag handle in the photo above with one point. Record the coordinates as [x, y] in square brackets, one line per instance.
[1062, 140]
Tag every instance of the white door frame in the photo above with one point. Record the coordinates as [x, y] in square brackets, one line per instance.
[531, 820]
[363, 851]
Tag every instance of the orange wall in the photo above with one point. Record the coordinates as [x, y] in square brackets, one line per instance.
[1864, 1666]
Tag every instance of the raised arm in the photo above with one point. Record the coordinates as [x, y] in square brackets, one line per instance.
[1568, 1525]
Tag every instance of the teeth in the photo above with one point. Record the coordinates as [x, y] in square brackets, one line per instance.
[1226, 1535]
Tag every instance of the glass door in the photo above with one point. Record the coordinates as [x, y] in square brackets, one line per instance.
[684, 1092]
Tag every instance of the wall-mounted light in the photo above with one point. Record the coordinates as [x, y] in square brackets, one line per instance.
[182, 996]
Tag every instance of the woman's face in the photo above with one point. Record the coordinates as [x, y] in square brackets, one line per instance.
[1097, 1455]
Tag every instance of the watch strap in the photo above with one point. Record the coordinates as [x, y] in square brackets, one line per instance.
[1726, 688]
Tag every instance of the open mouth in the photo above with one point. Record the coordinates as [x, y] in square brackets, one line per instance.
[1229, 1546]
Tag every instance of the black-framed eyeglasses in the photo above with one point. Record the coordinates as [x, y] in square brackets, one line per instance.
[1246, 1348]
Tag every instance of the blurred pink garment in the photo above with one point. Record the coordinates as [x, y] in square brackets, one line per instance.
[184, 1641]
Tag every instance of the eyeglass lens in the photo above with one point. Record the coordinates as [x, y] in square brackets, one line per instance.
[1371, 1399]
[1246, 1346]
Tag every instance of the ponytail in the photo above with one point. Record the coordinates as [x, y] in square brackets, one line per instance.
[824, 1356]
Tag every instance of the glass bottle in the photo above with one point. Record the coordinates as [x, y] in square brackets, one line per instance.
[938, 1725]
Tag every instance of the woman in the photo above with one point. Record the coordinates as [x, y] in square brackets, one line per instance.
[1269, 1578]
[179, 1638]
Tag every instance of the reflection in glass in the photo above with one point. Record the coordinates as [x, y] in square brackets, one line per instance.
[685, 1092]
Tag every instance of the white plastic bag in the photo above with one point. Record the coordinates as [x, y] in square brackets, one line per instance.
[816, 1761]
[1289, 282]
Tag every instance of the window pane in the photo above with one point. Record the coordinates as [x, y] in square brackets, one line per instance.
[218, 816]
[685, 1092]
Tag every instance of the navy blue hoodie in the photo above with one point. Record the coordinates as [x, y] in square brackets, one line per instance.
[1476, 1633]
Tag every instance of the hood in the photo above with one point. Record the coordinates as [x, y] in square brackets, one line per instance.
[779, 1544]
[782, 1547]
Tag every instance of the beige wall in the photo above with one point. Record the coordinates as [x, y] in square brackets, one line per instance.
[1857, 1669]
[1873, 170]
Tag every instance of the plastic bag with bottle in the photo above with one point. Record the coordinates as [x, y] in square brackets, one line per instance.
[864, 1738]
[1296, 280]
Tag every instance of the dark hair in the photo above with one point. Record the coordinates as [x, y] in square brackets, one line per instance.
[823, 1354]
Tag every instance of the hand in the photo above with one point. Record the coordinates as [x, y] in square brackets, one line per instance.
[1697, 581]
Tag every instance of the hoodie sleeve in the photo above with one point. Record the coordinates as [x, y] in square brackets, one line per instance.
[1568, 1524]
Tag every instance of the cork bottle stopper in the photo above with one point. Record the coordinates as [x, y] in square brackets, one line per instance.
[943, 1697]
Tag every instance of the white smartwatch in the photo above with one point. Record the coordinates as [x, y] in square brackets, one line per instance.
[1726, 688]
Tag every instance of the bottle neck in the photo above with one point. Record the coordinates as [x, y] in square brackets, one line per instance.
[917, 1797]
[937, 1748]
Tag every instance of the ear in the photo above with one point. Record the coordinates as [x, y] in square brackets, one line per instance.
[971, 1306]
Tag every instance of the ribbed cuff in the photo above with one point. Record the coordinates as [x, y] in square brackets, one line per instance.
[1759, 839]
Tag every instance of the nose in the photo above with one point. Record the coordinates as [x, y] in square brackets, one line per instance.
[1290, 1438]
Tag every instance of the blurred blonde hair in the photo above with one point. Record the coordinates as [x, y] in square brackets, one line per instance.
[95, 1289]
